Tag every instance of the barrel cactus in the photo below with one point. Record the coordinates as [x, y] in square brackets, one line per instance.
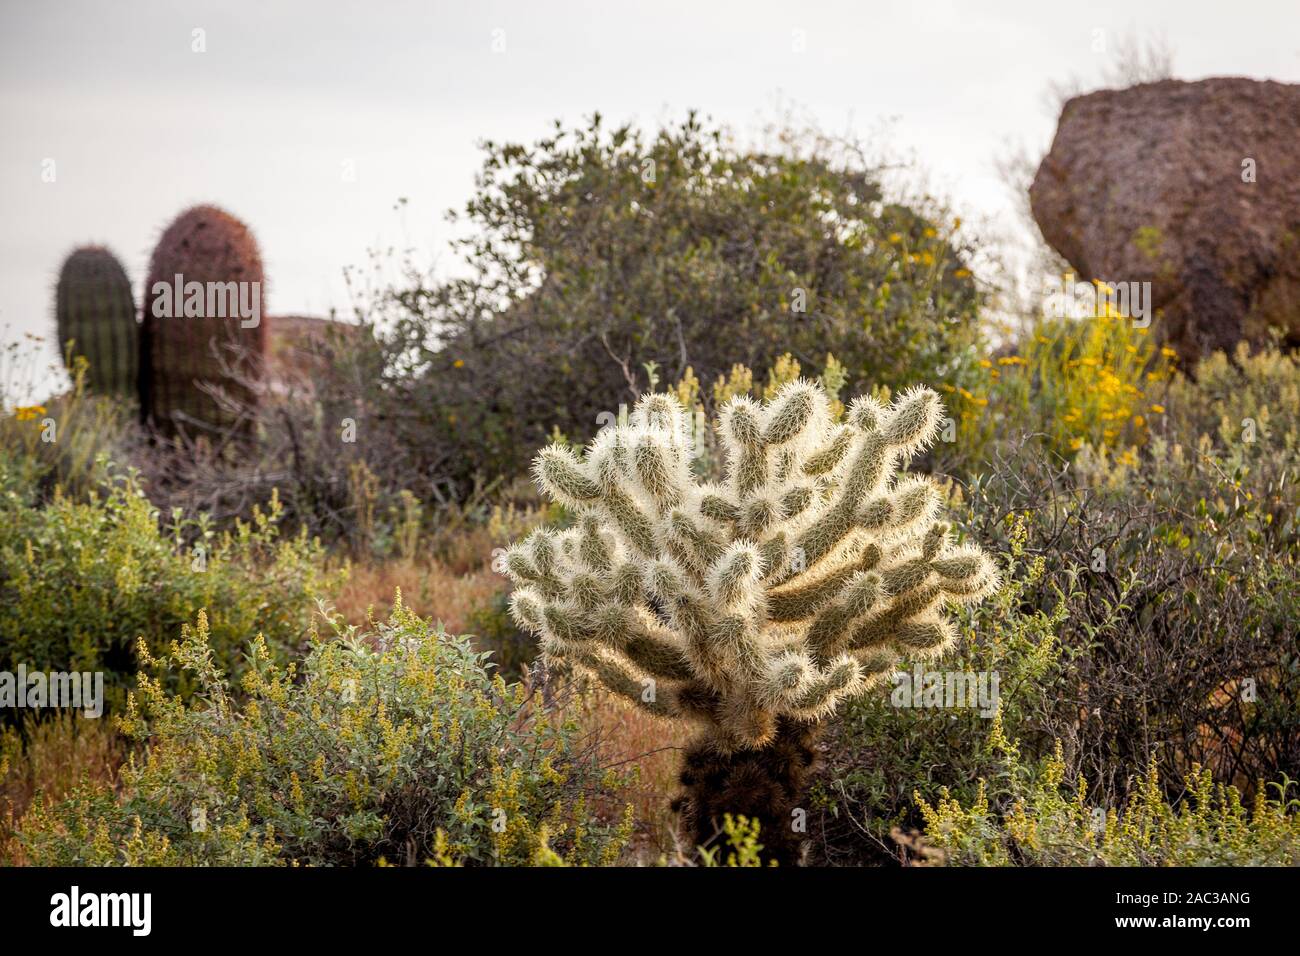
[203, 338]
[755, 606]
[94, 315]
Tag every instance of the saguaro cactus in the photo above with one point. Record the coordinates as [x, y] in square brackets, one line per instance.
[94, 310]
[202, 348]
[754, 607]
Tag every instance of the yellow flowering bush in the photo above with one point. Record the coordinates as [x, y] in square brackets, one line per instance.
[395, 744]
[740, 841]
[1095, 381]
[82, 579]
[740, 380]
[62, 441]
[1038, 818]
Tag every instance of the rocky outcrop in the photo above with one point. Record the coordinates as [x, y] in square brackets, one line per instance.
[1193, 187]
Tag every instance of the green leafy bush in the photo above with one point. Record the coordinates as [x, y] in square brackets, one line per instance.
[64, 442]
[885, 748]
[1033, 817]
[391, 745]
[81, 580]
[599, 253]
[1181, 633]
[513, 650]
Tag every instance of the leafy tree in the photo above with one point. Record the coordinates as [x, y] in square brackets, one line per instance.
[601, 259]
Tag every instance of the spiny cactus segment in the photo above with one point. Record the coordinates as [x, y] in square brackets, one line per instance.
[795, 584]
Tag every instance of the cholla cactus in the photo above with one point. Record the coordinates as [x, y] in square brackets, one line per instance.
[753, 607]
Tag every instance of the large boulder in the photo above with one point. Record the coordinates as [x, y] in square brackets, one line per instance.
[1154, 184]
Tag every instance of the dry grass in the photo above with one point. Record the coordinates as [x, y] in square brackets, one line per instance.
[430, 588]
[50, 757]
[450, 577]
[628, 736]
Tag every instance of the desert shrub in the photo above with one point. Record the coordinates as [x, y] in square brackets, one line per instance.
[307, 440]
[597, 255]
[1239, 417]
[310, 443]
[493, 629]
[1004, 790]
[63, 442]
[1223, 393]
[1068, 383]
[81, 580]
[1182, 631]
[394, 744]
[50, 755]
[890, 746]
[1160, 623]
[1032, 816]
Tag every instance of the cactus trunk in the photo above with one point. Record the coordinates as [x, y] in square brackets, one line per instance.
[767, 784]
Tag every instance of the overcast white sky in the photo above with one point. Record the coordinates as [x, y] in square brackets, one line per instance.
[139, 126]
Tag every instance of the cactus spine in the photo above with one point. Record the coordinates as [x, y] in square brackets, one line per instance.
[204, 336]
[755, 607]
[94, 314]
